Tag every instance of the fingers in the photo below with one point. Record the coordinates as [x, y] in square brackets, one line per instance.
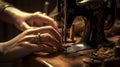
[35, 48]
[46, 29]
[45, 38]
[49, 36]
[27, 44]
[41, 17]
[50, 41]
[23, 26]
[28, 38]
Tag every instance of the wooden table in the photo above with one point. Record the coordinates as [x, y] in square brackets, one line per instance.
[59, 60]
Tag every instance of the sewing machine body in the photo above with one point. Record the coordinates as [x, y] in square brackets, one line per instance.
[100, 15]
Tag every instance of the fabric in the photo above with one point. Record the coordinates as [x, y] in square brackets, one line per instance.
[3, 5]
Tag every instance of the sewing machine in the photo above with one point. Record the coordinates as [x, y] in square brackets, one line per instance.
[99, 14]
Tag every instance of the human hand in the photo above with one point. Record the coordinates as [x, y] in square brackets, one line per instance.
[41, 39]
[36, 19]
[49, 41]
[39, 19]
[24, 20]
[46, 35]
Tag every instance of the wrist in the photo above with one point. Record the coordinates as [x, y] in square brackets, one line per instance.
[3, 8]
[7, 15]
[11, 15]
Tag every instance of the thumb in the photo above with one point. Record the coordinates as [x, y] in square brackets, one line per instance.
[23, 26]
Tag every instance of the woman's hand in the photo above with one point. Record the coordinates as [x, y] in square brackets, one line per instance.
[41, 39]
[24, 20]
[48, 36]
[49, 39]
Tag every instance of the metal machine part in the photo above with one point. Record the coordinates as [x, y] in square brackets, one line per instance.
[100, 15]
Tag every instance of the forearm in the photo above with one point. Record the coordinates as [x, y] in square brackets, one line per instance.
[12, 50]
[3, 6]
[9, 13]
[15, 53]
